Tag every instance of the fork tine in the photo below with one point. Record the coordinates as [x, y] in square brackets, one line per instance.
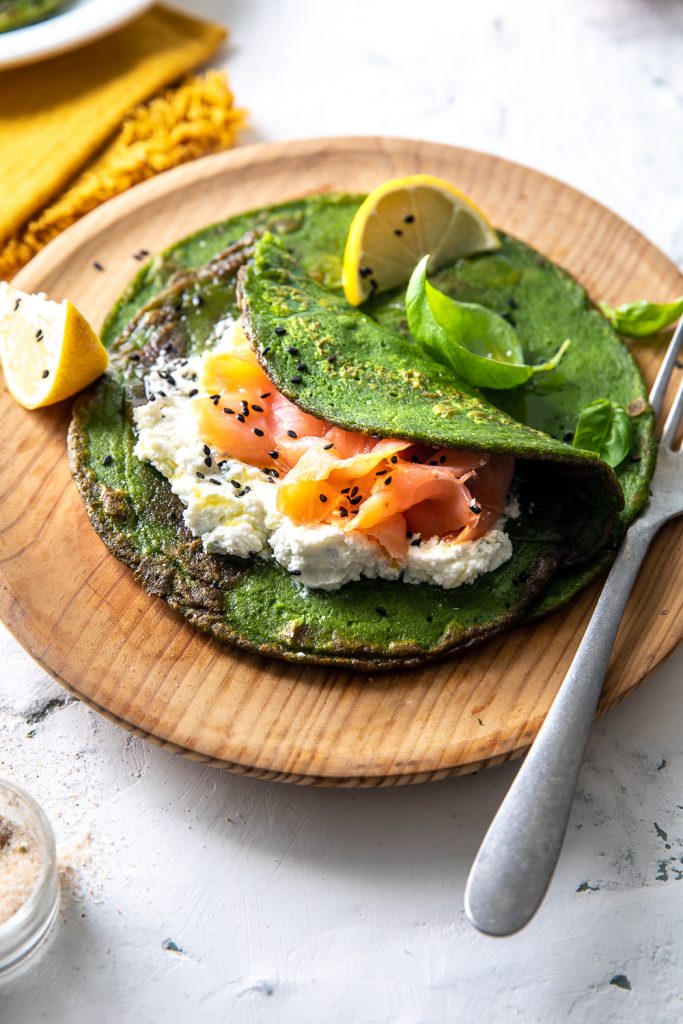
[664, 376]
[673, 419]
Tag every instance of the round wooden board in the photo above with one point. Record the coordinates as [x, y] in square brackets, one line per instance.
[83, 617]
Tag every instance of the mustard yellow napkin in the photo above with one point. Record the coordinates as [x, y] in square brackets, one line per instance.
[55, 116]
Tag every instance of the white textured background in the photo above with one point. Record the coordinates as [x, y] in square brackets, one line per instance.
[296, 905]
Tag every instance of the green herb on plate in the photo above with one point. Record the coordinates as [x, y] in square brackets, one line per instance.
[641, 319]
[606, 429]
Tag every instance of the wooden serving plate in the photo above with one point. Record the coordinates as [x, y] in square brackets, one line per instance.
[83, 617]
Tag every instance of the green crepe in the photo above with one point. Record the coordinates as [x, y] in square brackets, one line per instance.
[571, 515]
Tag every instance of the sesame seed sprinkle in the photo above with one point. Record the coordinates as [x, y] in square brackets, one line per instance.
[107, 460]
[258, 432]
[291, 433]
[293, 350]
[208, 460]
[381, 611]
[475, 508]
[387, 481]
[297, 378]
[212, 480]
[416, 543]
[326, 447]
[267, 394]
[206, 450]
[257, 408]
[280, 331]
[195, 391]
[45, 373]
[274, 454]
[323, 498]
[200, 475]
[236, 484]
[240, 417]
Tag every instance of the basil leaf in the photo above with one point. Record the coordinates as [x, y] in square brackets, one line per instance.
[640, 319]
[478, 344]
[606, 429]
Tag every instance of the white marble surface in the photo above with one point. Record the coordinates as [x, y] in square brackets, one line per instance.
[296, 905]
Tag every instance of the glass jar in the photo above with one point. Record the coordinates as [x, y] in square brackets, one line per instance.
[28, 861]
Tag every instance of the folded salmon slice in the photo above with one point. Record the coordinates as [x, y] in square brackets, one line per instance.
[386, 488]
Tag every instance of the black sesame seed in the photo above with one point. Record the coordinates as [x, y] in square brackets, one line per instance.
[97, 266]
[257, 408]
[247, 489]
[397, 231]
[291, 433]
[214, 398]
[240, 417]
[323, 498]
[45, 373]
[332, 358]
[236, 484]
[354, 492]
[274, 454]
[409, 219]
[568, 437]
[343, 512]
[293, 350]
[39, 334]
[381, 611]
[152, 398]
[280, 331]
[356, 500]
[394, 459]
[302, 367]
[416, 543]
[274, 472]
[107, 460]
[345, 490]
[381, 472]
[475, 508]
[265, 350]
[195, 391]
[258, 432]
[240, 494]
[326, 447]
[208, 460]
[222, 463]
[212, 480]
[200, 475]
[206, 450]
[295, 572]
[171, 379]
[267, 394]
[297, 378]
[162, 393]
[387, 481]
[230, 412]
[17, 303]
[442, 459]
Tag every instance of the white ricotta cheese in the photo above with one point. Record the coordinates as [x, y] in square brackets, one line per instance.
[232, 506]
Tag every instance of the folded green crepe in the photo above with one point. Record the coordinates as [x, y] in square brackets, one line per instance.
[573, 507]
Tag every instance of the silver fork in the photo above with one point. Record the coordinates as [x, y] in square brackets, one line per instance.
[517, 858]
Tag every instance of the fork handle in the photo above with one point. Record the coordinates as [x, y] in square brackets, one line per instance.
[517, 858]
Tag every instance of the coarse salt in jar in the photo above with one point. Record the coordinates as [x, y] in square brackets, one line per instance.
[29, 885]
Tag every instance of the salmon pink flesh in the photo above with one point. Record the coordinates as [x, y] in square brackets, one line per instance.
[386, 488]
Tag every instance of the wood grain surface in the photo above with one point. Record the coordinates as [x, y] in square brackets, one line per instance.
[83, 617]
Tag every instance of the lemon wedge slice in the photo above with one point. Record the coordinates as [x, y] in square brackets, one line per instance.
[48, 349]
[403, 220]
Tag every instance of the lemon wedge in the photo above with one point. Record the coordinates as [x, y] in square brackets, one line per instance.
[403, 220]
[48, 349]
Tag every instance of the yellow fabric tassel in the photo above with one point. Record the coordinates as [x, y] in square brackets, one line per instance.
[196, 118]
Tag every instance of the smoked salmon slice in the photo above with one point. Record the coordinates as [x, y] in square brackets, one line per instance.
[389, 489]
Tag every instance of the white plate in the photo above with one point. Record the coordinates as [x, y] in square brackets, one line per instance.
[78, 22]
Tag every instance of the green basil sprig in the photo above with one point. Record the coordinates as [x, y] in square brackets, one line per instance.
[478, 344]
[606, 429]
[640, 319]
